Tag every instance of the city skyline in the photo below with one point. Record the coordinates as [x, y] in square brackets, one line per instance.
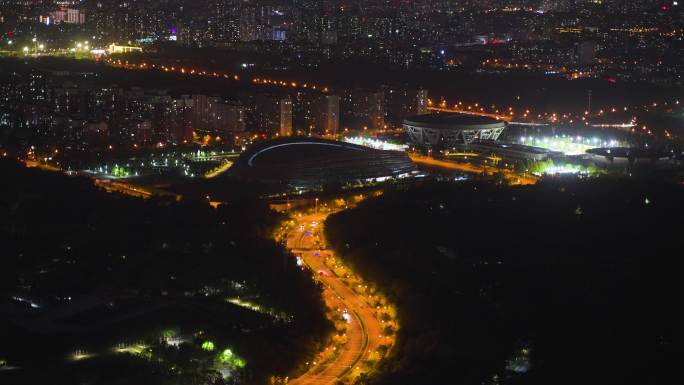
[338, 192]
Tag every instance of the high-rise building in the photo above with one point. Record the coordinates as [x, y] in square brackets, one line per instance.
[228, 118]
[270, 114]
[68, 16]
[421, 102]
[202, 105]
[375, 103]
[224, 20]
[285, 107]
[327, 118]
[256, 23]
[585, 52]
[180, 118]
[363, 108]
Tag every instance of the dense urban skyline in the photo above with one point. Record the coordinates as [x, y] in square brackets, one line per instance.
[339, 192]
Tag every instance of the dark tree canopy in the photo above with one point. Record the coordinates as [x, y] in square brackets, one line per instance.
[578, 280]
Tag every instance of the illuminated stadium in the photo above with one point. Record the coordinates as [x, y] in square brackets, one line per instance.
[451, 129]
[304, 161]
[569, 144]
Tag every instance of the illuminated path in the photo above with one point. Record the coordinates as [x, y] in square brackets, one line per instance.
[133, 190]
[465, 167]
[364, 329]
[470, 112]
[219, 170]
[514, 178]
[506, 118]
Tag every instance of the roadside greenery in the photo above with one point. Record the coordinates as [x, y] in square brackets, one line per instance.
[147, 279]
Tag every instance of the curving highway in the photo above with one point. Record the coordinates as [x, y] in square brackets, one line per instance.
[364, 330]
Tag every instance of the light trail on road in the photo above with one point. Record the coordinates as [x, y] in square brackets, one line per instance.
[364, 333]
[512, 176]
[506, 118]
[218, 170]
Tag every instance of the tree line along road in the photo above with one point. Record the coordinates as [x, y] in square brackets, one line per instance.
[365, 328]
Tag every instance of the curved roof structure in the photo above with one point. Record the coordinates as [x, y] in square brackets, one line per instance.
[447, 129]
[451, 121]
[302, 161]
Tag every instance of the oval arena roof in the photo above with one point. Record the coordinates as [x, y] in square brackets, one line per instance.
[306, 161]
[453, 120]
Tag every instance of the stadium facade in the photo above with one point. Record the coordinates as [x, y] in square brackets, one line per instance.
[444, 130]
